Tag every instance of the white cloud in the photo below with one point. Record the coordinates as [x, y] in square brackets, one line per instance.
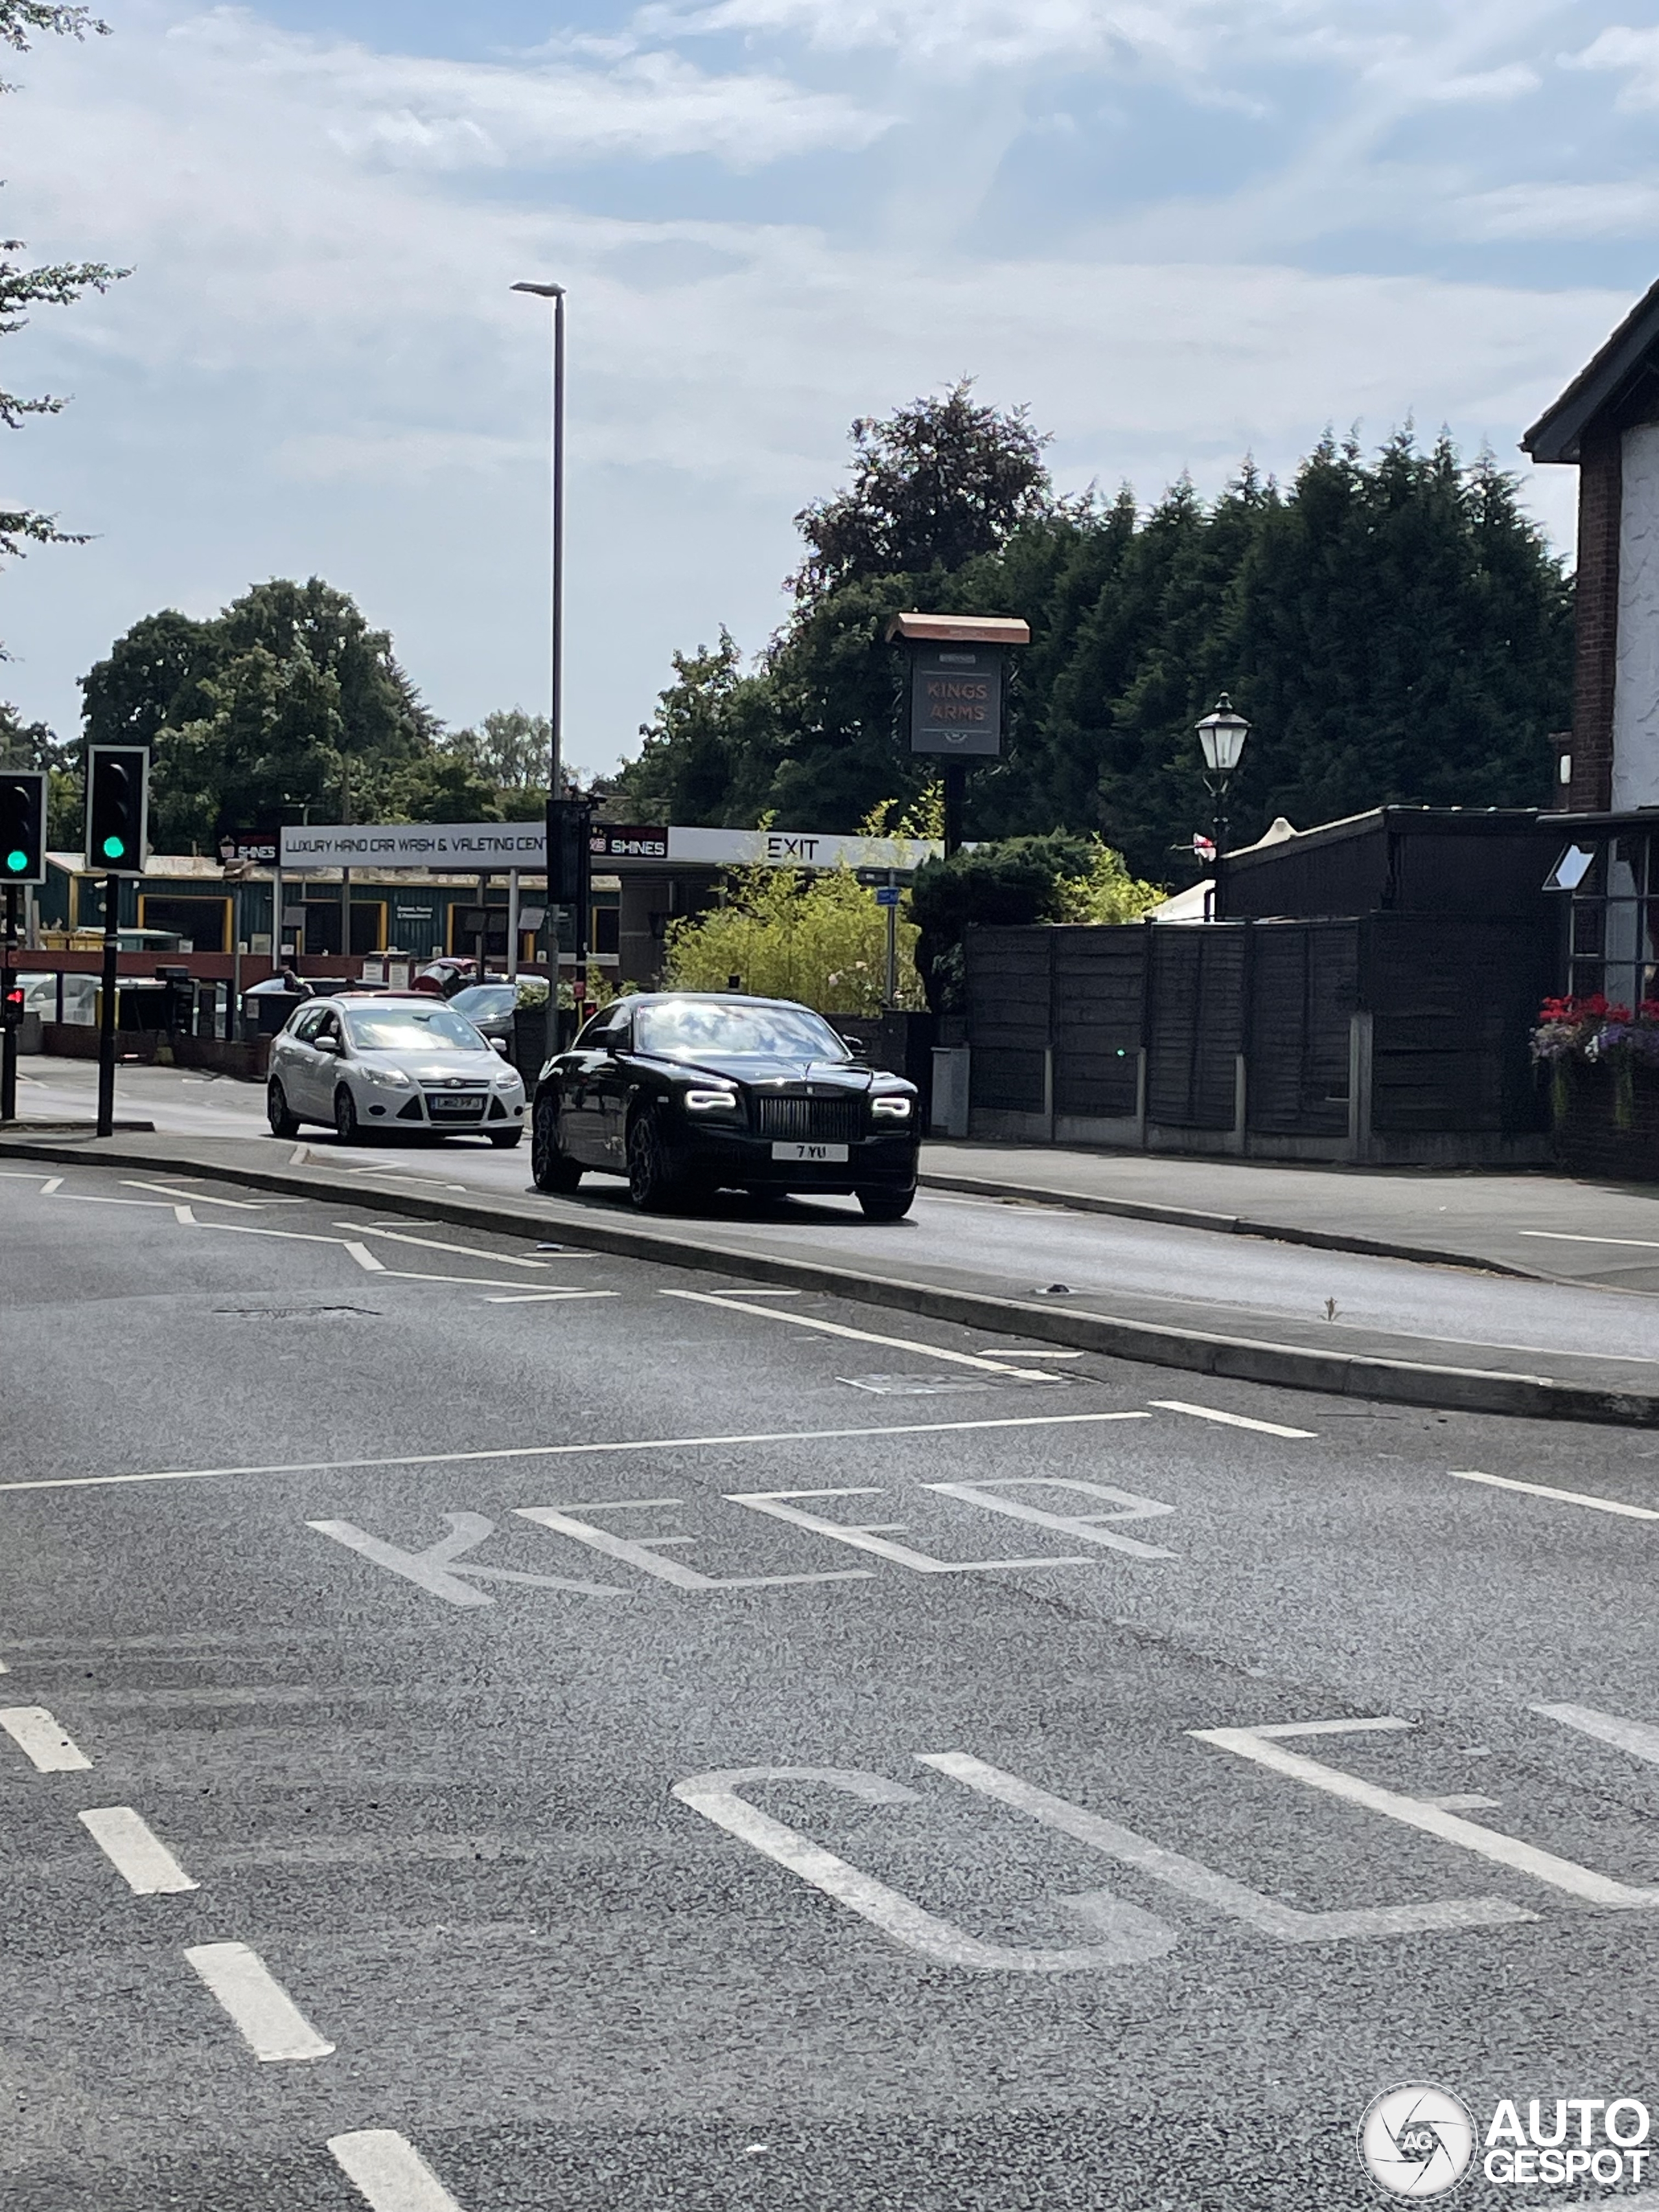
[449, 114]
[1620, 48]
[1629, 210]
[1488, 86]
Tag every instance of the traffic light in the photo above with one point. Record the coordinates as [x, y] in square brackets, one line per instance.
[11, 1004]
[22, 825]
[118, 810]
[569, 863]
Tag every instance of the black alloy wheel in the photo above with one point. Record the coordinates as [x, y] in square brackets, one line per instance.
[652, 1183]
[551, 1170]
[283, 1123]
[347, 1127]
[886, 1205]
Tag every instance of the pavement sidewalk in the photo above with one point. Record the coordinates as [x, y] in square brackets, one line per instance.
[1537, 1224]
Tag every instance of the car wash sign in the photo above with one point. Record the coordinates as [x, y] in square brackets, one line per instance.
[957, 670]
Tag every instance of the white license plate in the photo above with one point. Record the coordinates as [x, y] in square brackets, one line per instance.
[828, 1153]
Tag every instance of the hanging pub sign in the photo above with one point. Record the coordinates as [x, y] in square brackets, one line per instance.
[957, 665]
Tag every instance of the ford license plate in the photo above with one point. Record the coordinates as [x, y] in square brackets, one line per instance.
[460, 1107]
[826, 1153]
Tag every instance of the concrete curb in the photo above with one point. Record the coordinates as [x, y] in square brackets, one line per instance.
[1238, 1358]
[1229, 1225]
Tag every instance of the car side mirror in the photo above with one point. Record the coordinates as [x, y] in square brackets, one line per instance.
[327, 1044]
[499, 1044]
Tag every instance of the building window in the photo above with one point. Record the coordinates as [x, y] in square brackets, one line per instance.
[202, 924]
[1614, 927]
[322, 925]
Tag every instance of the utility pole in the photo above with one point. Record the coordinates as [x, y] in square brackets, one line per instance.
[11, 1017]
[556, 704]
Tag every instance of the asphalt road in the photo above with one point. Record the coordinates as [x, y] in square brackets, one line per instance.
[1143, 1270]
[574, 1821]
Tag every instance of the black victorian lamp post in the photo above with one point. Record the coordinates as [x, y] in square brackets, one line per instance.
[1222, 736]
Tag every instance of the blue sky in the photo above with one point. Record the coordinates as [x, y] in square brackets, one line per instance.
[1180, 229]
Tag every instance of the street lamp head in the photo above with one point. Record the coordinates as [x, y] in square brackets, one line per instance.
[542, 291]
[1222, 736]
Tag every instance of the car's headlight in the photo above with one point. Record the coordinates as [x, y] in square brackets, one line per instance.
[711, 1102]
[392, 1078]
[505, 1077]
[890, 1109]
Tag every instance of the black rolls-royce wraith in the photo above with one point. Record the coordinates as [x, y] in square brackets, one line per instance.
[686, 1093]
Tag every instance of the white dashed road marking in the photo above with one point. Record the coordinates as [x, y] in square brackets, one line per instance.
[466, 1251]
[390, 2172]
[269, 2023]
[138, 1856]
[862, 1335]
[1561, 1496]
[1229, 1420]
[43, 1740]
[1635, 1737]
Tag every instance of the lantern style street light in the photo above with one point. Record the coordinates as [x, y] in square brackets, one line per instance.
[1221, 735]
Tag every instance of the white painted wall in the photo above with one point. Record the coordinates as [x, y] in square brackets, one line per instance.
[1636, 692]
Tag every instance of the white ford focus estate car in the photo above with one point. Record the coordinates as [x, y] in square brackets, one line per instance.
[362, 1063]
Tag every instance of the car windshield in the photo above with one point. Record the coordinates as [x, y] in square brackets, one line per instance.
[480, 1001]
[412, 1028]
[686, 1029]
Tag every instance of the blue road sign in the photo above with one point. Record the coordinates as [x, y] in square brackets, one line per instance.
[888, 894]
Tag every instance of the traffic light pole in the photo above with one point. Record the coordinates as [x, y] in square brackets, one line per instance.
[107, 1021]
[9, 1039]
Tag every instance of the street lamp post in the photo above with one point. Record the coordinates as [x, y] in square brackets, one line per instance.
[1221, 735]
[556, 708]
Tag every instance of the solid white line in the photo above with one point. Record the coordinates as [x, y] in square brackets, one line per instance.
[1562, 1496]
[437, 1245]
[558, 1451]
[483, 1282]
[1281, 1728]
[269, 2023]
[1635, 1737]
[1031, 1352]
[88, 1198]
[43, 1740]
[138, 1856]
[51, 1186]
[390, 2172]
[205, 1198]
[1231, 1420]
[1568, 1236]
[538, 1298]
[862, 1335]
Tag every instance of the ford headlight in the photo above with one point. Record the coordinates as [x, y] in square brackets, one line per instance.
[506, 1078]
[390, 1079]
[890, 1109]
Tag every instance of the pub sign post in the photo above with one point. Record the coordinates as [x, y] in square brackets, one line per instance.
[955, 694]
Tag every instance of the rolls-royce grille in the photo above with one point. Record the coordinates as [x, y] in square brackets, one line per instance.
[819, 1121]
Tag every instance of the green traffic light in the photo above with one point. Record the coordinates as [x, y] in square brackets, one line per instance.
[17, 862]
[113, 848]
